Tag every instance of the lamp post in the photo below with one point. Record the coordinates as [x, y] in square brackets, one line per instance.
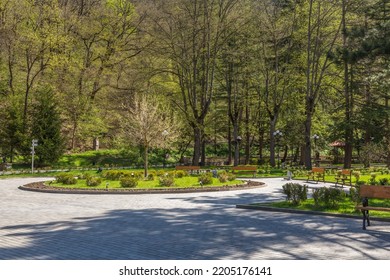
[316, 153]
[278, 134]
[34, 143]
[236, 143]
[165, 134]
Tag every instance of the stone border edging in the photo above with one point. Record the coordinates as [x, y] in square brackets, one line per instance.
[305, 212]
[41, 187]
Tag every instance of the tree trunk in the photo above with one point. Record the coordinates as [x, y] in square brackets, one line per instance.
[307, 149]
[236, 145]
[247, 136]
[387, 140]
[96, 144]
[229, 138]
[285, 154]
[302, 155]
[348, 106]
[197, 146]
[146, 159]
[203, 156]
[272, 141]
[261, 144]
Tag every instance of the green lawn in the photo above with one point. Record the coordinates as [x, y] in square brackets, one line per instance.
[332, 178]
[185, 182]
[345, 207]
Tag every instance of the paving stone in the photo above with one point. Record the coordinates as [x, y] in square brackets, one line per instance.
[175, 226]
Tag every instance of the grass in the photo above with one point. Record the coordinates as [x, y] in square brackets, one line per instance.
[185, 182]
[346, 206]
[332, 178]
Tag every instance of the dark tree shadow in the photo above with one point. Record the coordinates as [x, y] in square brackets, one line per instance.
[217, 231]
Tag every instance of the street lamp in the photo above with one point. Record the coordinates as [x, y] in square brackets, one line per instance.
[278, 134]
[317, 154]
[34, 143]
[238, 141]
[165, 134]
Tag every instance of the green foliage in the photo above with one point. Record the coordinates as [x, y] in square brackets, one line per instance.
[66, 179]
[83, 176]
[112, 174]
[167, 180]
[384, 181]
[372, 180]
[205, 178]
[223, 176]
[128, 182]
[12, 132]
[328, 197]
[231, 177]
[46, 128]
[354, 195]
[93, 181]
[356, 174]
[181, 173]
[295, 193]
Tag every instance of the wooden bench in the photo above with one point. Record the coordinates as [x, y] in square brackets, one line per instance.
[366, 192]
[190, 168]
[343, 176]
[249, 168]
[316, 172]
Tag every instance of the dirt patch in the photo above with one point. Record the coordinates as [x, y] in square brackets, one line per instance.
[42, 187]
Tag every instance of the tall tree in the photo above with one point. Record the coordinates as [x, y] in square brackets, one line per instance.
[323, 30]
[277, 25]
[190, 36]
[46, 128]
[148, 124]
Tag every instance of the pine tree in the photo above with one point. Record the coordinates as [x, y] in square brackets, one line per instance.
[46, 128]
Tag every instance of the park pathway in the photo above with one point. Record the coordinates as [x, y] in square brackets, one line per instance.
[175, 226]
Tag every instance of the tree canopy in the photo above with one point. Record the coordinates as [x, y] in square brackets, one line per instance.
[232, 71]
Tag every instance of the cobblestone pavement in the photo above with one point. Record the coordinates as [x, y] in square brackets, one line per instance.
[175, 226]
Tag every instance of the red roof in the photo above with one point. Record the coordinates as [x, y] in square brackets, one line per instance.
[337, 144]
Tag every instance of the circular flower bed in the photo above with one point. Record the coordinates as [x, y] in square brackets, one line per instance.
[42, 187]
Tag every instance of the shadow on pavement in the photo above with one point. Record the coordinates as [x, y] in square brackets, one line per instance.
[217, 232]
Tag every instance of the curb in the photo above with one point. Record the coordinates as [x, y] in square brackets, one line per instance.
[305, 212]
[41, 187]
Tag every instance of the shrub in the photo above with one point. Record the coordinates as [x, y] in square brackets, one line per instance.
[83, 176]
[167, 181]
[360, 183]
[205, 178]
[180, 174]
[138, 175]
[384, 181]
[295, 193]
[223, 177]
[128, 182]
[316, 197]
[66, 179]
[328, 197]
[354, 195]
[150, 177]
[335, 196]
[231, 177]
[372, 180]
[356, 174]
[112, 175]
[93, 181]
